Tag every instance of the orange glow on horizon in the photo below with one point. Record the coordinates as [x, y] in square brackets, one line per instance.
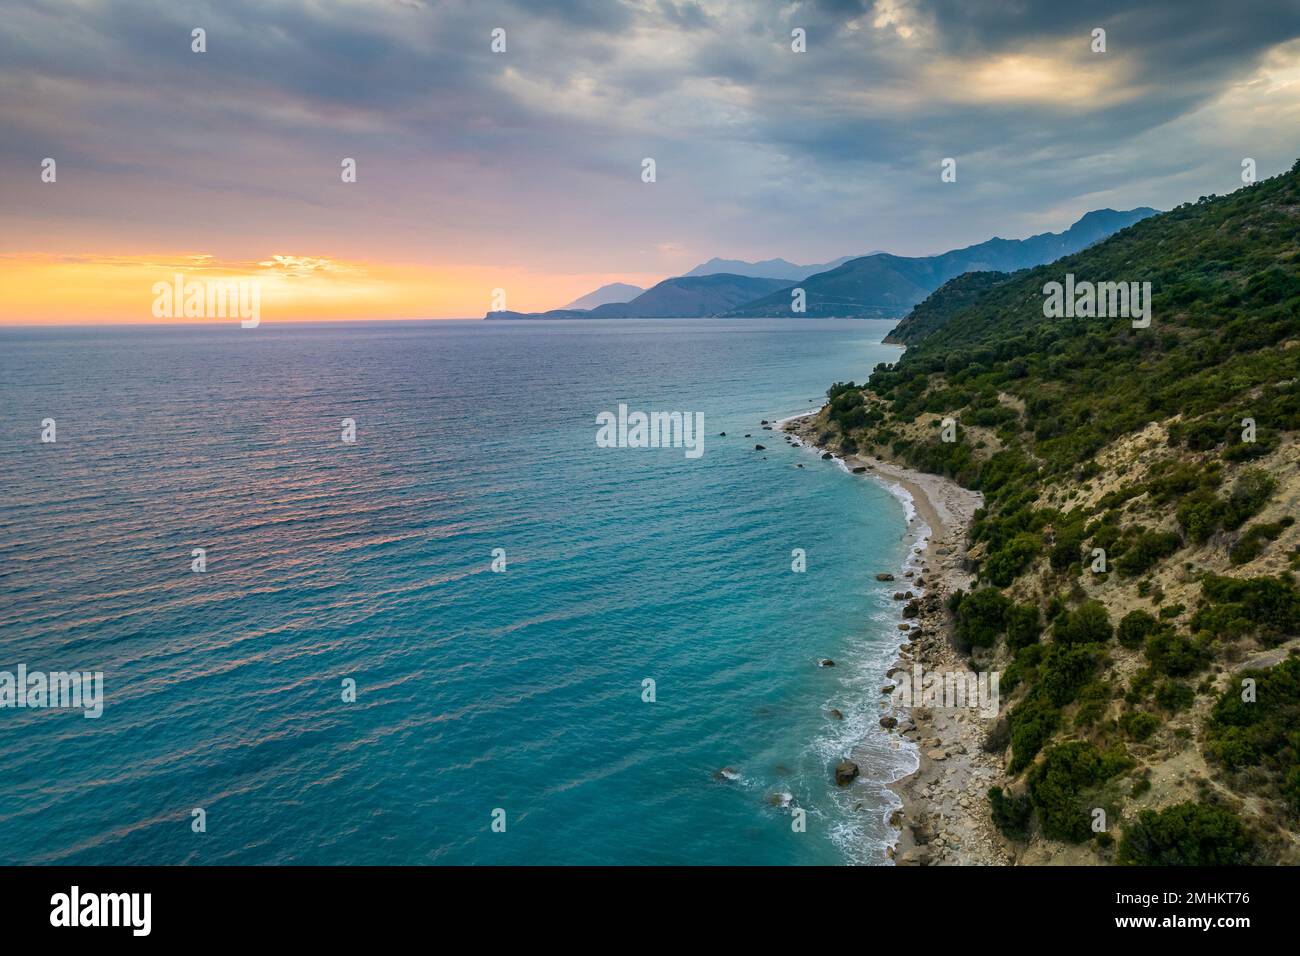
[94, 289]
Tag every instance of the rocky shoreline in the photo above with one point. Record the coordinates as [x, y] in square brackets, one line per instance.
[944, 819]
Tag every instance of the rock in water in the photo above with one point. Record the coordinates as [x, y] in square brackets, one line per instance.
[846, 771]
[889, 723]
[759, 448]
[727, 774]
[836, 713]
[825, 662]
[884, 577]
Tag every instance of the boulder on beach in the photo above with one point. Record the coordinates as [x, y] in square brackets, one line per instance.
[846, 771]
[889, 723]
[827, 456]
[916, 856]
[859, 470]
[899, 596]
[888, 689]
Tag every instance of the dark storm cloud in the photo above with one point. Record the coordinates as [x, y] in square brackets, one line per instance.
[849, 132]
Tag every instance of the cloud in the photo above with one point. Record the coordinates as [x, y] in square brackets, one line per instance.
[530, 160]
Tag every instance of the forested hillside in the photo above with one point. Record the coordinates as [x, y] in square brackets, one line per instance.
[1137, 552]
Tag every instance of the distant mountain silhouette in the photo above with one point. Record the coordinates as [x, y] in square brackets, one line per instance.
[767, 269]
[887, 286]
[681, 297]
[614, 292]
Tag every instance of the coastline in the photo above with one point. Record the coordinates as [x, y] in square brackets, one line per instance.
[943, 819]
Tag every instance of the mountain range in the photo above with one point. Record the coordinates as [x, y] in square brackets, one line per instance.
[885, 286]
[682, 297]
[613, 292]
[767, 268]
[878, 285]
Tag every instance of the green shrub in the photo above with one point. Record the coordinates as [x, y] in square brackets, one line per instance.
[1006, 564]
[1092, 699]
[1060, 785]
[1145, 550]
[1186, 834]
[1173, 654]
[1066, 669]
[1138, 724]
[1251, 543]
[1066, 549]
[1023, 624]
[1262, 734]
[1086, 624]
[1140, 686]
[1011, 814]
[1173, 695]
[1135, 627]
[1032, 723]
[1249, 495]
[1200, 515]
[980, 618]
[1230, 607]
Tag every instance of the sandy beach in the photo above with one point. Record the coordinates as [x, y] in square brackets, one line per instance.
[944, 819]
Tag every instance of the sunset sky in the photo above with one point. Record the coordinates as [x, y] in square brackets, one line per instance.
[522, 170]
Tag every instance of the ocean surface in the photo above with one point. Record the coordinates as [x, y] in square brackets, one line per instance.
[476, 691]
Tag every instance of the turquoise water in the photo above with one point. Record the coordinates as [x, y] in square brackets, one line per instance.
[476, 690]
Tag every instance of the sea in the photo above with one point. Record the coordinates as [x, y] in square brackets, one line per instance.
[373, 593]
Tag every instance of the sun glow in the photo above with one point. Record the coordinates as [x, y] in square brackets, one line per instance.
[38, 289]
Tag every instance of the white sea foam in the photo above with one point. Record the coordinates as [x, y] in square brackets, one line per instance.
[883, 757]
